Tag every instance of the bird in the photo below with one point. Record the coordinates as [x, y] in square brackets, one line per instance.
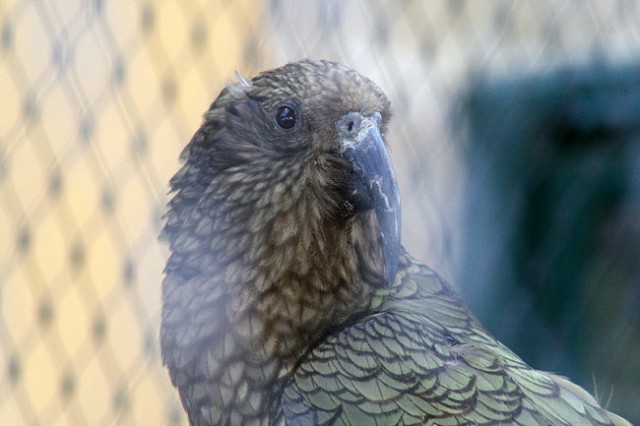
[288, 298]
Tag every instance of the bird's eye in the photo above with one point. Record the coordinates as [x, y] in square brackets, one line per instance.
[286, 117]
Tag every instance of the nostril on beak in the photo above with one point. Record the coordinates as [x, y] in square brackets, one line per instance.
[349, 125]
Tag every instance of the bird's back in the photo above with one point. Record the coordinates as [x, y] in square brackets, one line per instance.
[420, 357]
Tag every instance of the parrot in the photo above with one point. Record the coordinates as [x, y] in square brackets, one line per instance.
[288, 298]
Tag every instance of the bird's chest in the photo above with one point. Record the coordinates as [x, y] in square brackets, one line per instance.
[264, 337]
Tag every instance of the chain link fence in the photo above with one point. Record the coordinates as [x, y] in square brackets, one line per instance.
[99, 97]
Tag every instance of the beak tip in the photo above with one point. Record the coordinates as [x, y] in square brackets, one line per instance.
[389, 223]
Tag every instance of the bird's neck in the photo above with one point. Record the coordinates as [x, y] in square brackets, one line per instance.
[309, 274]
[302, 271]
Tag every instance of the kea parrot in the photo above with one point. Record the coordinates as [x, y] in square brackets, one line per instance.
[288, 298]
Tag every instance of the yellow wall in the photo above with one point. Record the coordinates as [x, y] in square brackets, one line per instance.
[78, 337]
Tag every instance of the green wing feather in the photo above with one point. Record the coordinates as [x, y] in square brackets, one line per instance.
[421, 358]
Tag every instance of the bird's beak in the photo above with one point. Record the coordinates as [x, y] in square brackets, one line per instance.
[374, 186]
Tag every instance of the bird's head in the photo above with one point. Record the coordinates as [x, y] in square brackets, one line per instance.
[306, 138]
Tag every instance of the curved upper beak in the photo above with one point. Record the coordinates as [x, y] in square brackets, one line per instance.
[374, 186]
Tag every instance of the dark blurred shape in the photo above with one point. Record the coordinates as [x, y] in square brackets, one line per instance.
[552, 217]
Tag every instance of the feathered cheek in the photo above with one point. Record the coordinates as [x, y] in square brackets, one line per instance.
[331, 182]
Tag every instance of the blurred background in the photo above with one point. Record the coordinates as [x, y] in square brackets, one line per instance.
[516, 139]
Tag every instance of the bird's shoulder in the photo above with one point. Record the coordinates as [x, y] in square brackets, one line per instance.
[420, 357]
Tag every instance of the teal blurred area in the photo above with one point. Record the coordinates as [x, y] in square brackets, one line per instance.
[552, 221]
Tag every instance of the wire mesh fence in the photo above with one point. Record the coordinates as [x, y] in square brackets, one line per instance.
[99, 97]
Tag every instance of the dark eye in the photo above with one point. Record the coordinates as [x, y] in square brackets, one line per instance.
[286, 117]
